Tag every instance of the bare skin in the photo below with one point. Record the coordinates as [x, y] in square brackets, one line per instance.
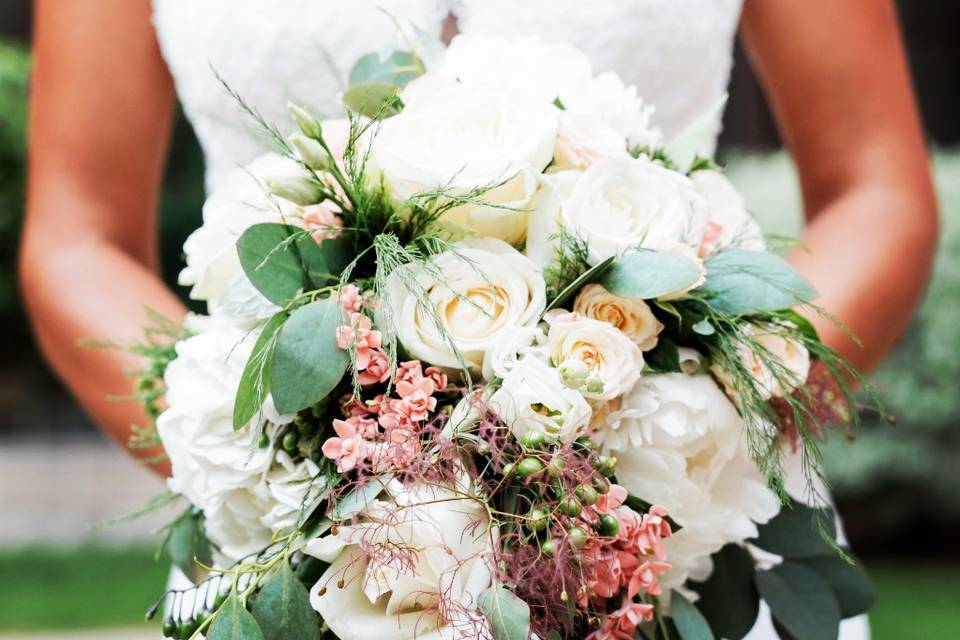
[100, 120]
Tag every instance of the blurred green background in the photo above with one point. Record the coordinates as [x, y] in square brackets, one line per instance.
[898, 485]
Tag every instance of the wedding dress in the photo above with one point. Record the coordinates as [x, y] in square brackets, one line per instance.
[677, 52]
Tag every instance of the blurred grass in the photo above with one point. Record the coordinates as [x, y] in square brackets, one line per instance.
[44, 588]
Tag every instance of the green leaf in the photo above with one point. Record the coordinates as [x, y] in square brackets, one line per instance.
[849, 582]
[283, 609]
[397, 69]
[255, 381]
[281, 260]
[358, 499]
[804, 326]
[188, 543]
[376, 100]
[650, 274]
[665, 357]
[509, 616]
[234, 622]
[307, 363]
[729, 599]
[800, 601]
[793, 532]
[590, 275]
[689, 621]
[744, 281]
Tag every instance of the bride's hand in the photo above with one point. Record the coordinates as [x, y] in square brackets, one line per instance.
[100, 112]
[837, 79]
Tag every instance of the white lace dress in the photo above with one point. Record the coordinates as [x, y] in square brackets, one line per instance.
[677, 52]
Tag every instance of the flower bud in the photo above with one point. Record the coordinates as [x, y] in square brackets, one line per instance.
[571, 506]
[587, 494]
[577, 537]
[594, 384]
[310, 152]
[310, 126]
[537, 520]
[547, 548]
[299, 190]
[573, 372]
[533, 439]
[529, 466]
[608, 526]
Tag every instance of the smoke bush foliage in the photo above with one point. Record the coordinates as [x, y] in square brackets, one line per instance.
[900, 471]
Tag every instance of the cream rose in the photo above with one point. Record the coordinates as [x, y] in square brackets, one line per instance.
[476, 292]
[729, 225]
[618, 205]
[632, 317]
[409, 569]
[583, 140]
[609, 355]
[534, 398]
[793, 359]
[466, 139]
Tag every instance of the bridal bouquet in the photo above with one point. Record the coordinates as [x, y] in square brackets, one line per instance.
[491, 359]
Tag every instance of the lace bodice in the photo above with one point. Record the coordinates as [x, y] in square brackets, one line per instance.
[677, 52]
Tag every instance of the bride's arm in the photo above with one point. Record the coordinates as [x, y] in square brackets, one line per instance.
[100, 112]
[836, 77]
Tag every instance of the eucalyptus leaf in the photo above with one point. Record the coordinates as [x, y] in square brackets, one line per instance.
[728, 599]
[689, 621]
[188, 542]
[793, 533]
[373, 99]
[509, 616]
[283, 610]
[800, 601]
[397, 69]
[590, 275]
[743, 281]
[307, 363]
[649, 274]
[850, 583]
[234, 622]
[255, 381]
[704, 328]
[281, 260]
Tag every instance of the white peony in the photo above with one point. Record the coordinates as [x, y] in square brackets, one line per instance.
[217, 468]
[618, 105]
[583, 140]
[609, 355]
[291, 490]
[477, 292]
[512, 346]
[468, 139]
[413, 568]
[729, 225]
[792, 356]
[238, 203]
[632, 317]
[681, 443]
[533, 397]
[617, 205]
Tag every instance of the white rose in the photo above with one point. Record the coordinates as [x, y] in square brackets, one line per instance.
[466, 139]
[729, 225]
[583, 140]
[510, 348]
[476, 292]
[608, 353]
[291, 492]
[519, 65]
[681, 443]
[632, 317]
[608, 99]
[239, 202]
[219, 469]
[544, 223]
[791, 373]
[618, 205]
[411, 568]
[533, 398]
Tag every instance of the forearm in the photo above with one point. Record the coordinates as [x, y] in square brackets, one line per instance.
[94, 290]
[868, 252]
